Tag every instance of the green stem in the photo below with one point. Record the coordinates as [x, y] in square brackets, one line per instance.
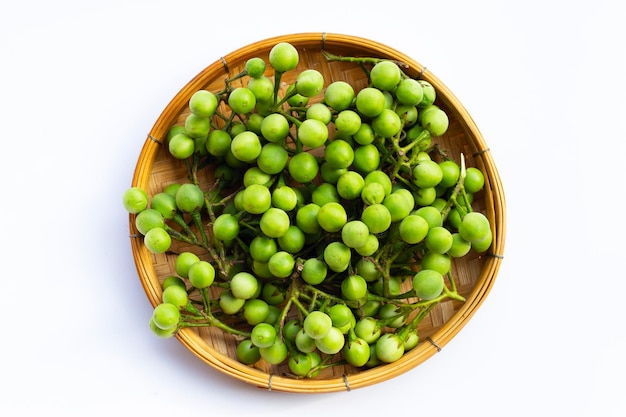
[180, 221]
[277, 77]
[458, 188]
[291, 118]
[206, 301]
[190, 307]
[422, 136]
[317, 293]
[212, 321]
[452, 293]
[198, 222]
[190, 171]
[356, 60]
[175, 234]
[220, 257]
[299, 305]
[287, 96]
[415, 321]
[235, 77]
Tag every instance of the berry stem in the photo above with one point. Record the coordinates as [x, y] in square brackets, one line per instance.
[458, 188]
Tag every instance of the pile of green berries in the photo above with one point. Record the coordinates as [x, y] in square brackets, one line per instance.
[333, 221]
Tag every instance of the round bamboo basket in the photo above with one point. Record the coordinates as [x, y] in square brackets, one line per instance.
[475, 273]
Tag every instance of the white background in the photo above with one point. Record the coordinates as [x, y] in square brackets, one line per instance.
[81, 84]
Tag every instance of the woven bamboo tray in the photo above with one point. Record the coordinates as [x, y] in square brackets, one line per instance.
[475, 273]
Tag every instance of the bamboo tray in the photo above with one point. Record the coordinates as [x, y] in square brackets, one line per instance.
[475, 273]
